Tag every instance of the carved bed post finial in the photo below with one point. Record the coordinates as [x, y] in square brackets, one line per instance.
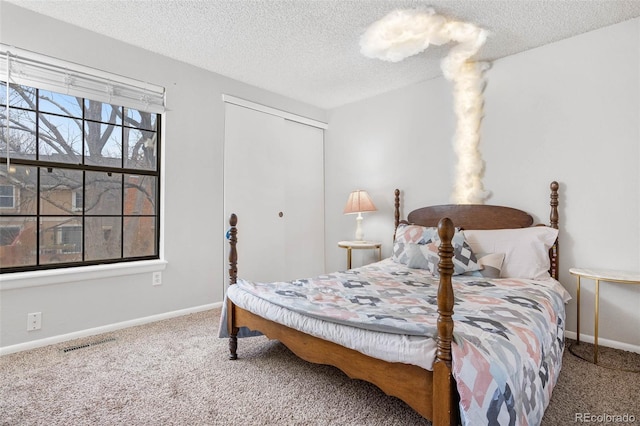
[554, 204]
[233, 276]
[445, 291]
[553, 221]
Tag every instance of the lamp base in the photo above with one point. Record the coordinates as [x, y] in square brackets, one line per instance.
[359, 232]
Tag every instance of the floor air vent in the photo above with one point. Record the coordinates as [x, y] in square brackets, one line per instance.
[88, 345]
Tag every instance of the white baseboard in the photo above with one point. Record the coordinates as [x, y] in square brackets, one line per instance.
[104, 329]
[604, 342]
[173, 314]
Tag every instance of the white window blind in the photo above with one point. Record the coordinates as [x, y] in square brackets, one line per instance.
[27, 68]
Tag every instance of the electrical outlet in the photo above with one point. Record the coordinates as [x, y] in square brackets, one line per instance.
[156, 278]
[34, 321]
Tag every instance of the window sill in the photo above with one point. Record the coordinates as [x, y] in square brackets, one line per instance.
[65, 275]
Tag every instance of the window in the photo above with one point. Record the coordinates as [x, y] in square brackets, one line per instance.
[77, 201]
[70, 239]
[8, 235]
[7, 200]
[88, 175]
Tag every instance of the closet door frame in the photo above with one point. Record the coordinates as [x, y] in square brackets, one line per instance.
[274, 111]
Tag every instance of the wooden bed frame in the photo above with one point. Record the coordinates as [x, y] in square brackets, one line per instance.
[432, 394]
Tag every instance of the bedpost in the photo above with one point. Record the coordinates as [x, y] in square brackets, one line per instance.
[397, 208]
[233, 276]
[233, 251]
[445, 411]
[445, 291]
[397, 213]
[553, 218]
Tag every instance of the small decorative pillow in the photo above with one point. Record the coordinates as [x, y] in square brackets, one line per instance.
[491, 264]
[415, 258]
[464, 260]
[410, 234]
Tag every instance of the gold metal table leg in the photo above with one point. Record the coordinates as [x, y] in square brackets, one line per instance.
[578, 310]
[595, 337]
[348, 257]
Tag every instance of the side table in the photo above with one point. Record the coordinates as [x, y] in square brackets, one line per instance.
[360, 245]
[599, 275]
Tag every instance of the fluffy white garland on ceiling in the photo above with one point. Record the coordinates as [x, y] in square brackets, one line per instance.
[404, 33]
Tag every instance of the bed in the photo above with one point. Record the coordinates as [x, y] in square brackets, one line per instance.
[395, 327]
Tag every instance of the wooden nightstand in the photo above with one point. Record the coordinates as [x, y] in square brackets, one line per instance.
[599, 275]
[360, 245]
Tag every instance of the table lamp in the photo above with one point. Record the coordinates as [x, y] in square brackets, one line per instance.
[359, 202]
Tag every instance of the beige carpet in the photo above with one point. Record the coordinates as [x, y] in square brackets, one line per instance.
[176, 372]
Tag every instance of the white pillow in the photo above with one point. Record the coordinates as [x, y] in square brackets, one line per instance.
[491, 264]
[526, 249]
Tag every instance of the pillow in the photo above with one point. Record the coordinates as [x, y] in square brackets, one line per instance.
[415, 258]
[526, 249]
[425, 256]
[464, 260]
[410, 234]
[491, 264]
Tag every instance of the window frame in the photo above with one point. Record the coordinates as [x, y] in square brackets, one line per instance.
[85, 167]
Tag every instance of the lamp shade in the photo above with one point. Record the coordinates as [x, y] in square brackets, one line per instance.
[358, 202]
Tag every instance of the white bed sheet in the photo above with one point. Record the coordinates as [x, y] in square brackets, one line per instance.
[415, 350]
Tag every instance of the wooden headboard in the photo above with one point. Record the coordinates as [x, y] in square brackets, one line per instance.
[481, 216]
[472, 216]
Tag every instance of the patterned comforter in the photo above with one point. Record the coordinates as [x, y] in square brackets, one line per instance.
[508, 333]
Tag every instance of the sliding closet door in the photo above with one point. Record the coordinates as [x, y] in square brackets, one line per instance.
[274, 182]
[253, 190]
[303, 167]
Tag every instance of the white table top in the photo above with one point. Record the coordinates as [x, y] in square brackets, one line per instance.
[359, 244]
[607, 275]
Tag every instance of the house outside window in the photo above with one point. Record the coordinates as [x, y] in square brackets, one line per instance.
[88, 175]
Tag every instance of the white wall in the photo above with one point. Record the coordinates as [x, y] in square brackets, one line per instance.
[569, 111]
[193, 186]
[397, 140]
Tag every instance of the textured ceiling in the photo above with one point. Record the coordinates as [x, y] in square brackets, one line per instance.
[308, 49]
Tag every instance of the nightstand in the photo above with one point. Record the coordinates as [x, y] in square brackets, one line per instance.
[360, 245]
[599, 275]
